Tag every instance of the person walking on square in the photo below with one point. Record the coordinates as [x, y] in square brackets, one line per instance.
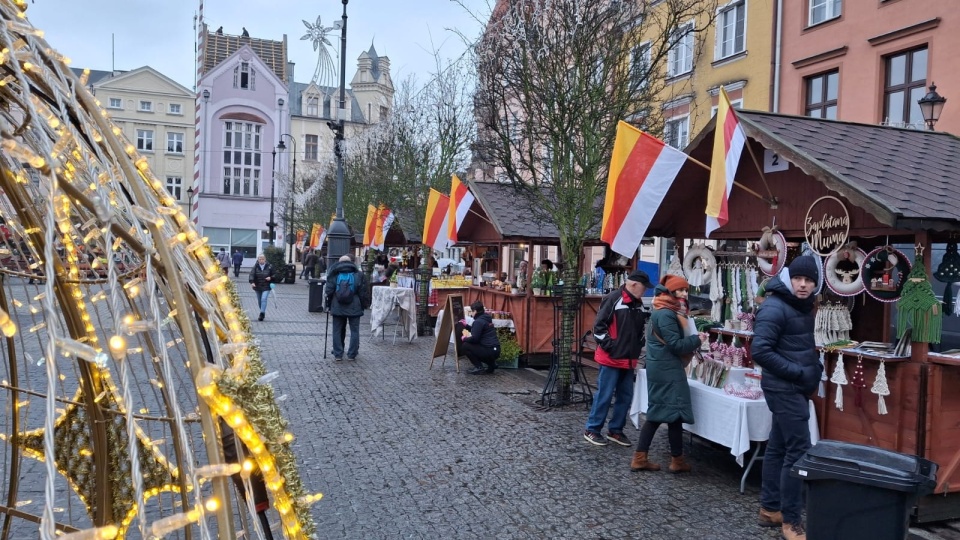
[480, 342]
[618, 331]
[347, 296]
[783, 345]
[308, 263]
[224, 258]
[237, 261]
[261, 279]
[669, 395]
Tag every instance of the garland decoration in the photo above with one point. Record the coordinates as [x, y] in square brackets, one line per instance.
[880, 388]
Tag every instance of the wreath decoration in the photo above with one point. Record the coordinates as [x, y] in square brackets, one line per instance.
[884, 273]
[771, 252]
[842, 270]
[698, 265]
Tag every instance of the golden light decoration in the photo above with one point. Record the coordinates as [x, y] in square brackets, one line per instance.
[124, 343]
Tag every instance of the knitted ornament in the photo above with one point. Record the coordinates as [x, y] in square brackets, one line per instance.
[839, 378]
[949, 272]
[919, 308]
[822, 389]
[880, 388]
[676, 267]
[858, 383]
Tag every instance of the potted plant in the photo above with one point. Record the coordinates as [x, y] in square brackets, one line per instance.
[510, 350]
[393, 280]
[538, 281]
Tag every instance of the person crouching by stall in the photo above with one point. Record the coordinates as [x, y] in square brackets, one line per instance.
[480, 342]
[667, 388]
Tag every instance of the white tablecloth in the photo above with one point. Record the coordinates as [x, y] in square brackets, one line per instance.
[497, 323]
[724, 419]
[382, 303]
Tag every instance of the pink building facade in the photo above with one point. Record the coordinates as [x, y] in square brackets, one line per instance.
[868, 61]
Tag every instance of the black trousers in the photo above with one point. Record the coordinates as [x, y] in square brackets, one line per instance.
[479, 355]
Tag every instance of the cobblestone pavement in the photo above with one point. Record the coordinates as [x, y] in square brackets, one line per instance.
[403, 451]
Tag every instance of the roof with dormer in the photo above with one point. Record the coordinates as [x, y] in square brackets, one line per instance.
[218, 46]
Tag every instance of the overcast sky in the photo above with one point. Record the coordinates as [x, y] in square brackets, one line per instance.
[160, 33]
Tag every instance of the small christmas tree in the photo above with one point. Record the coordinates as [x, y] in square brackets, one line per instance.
[949, 272]
[919, 308]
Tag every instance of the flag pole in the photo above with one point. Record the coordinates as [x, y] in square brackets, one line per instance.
[756, 163]
[771, 200]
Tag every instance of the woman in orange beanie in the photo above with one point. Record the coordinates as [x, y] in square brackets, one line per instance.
[667, 389]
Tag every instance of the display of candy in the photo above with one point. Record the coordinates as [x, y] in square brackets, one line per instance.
[743, 391]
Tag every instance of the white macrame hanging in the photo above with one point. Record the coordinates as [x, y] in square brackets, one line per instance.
[736, 293]
[676, 267]
[839, 378]
[716, 294]
[880, 388]
[822, 389]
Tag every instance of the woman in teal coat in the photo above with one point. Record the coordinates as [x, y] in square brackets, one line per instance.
[668, 394]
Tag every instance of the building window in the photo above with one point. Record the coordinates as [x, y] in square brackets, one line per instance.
[115, 103]
[313, 106]
[146, 106]
[175, 143]
[676, 132]
[241, 159]
[734, 104]
[822, 93]
[175, 187]
[145, 139]
[640, 62]
[384, 113]
[731, 29]
[244, 240]
[823, 10]
[680, 58]
[312, 147]
[905, 83]
[244, 77]
[174, 108]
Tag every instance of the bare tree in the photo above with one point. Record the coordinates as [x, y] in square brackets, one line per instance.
[555, 76]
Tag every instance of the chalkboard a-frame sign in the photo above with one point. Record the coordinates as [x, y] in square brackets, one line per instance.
[452, 313]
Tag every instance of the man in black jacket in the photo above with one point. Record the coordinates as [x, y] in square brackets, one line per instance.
[619, 333]
[480, 342]
[261, 279]
[783, 345]
[343, 311]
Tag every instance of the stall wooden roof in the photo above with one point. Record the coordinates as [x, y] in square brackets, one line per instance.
[902, 179]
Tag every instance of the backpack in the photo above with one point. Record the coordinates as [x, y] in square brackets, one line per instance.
[345, 288]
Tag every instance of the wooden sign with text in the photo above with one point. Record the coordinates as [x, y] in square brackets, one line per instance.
[827, 225]
[452, 313]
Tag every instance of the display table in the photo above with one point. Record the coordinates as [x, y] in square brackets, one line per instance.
[497, 323]
[721, 418]
[385, 299]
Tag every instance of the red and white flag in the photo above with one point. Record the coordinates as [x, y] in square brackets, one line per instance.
[642, 169]
[436, 222]
[728, 142]
[460, 201]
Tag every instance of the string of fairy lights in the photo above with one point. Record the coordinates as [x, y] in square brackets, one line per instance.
[166, 330]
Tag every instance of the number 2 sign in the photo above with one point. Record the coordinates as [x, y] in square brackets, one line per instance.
[774, 162]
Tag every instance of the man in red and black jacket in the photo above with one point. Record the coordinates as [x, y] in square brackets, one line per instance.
[619, 332]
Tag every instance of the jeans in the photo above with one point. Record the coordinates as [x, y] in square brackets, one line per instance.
[338, 333]
[611, 382]
[236, 269]
[263, 301]
[789, 440]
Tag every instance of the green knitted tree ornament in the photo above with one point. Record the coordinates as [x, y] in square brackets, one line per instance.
[919, 308]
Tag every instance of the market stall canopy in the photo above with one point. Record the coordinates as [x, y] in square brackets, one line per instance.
[901, 179]
[502, 213]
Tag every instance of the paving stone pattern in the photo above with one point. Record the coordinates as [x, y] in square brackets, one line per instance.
[403, 451]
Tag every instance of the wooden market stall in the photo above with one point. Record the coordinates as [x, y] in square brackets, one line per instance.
[826, 183]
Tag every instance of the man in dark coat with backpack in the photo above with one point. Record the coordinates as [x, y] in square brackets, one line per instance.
[347, 296]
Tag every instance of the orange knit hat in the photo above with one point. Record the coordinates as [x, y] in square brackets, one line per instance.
[674, 283]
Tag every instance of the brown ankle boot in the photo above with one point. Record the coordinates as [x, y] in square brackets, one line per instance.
[678, 464]
[641, 463]
[769, 518]
[793, 531]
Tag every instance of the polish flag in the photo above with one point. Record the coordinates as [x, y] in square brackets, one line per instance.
[460, 201]
[436, 226]
[642, 169]
[728, 143]
[370, 227]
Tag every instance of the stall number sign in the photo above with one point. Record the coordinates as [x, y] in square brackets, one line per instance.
[774, 162]
[827, 225]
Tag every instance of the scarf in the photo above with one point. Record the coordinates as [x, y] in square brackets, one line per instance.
[671, 302]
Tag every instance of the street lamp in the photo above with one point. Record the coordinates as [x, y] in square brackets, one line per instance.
[273, 181]
[931, 105]
[338, 237]
[291, 238]
[190, 203]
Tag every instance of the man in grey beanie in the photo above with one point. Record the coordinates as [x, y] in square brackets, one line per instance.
[783, 345]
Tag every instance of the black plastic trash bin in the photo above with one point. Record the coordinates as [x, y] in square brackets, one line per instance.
[289, 273]
[857, 491]
[315, 301]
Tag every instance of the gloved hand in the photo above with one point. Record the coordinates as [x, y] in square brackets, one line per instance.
[463, 322]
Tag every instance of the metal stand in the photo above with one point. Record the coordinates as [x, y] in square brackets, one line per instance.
[556, 394]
